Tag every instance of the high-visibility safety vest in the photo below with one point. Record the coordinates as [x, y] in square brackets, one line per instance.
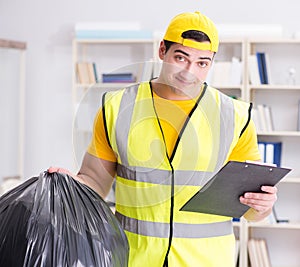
[152, 186]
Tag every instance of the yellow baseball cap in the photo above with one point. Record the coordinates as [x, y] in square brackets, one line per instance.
[193, 21]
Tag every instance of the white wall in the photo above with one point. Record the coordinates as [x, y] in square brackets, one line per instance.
[47, 27]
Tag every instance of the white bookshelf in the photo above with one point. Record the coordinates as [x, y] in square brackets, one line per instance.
[12, 80]
[282, 94]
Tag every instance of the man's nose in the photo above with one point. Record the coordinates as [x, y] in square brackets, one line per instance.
[188, 72]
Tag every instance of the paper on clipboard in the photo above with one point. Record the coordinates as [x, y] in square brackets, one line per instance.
[220, 195]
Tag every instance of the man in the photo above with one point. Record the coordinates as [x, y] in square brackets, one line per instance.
[163, 140]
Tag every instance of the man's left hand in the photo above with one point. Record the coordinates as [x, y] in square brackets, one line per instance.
[261, 203]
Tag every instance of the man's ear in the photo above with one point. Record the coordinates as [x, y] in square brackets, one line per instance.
[162, 50]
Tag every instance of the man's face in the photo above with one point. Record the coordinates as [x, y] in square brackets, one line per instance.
[184, 68]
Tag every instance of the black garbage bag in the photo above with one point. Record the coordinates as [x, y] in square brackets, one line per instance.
[53, 220]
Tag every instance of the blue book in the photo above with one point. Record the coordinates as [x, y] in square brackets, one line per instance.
[119, 74]
[271, 152]
[95, 72]
[262, 69]
[118, 77]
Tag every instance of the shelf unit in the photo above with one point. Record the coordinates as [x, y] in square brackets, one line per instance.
[284, 54]
[282, 94]
[109, 55]
[12, 80]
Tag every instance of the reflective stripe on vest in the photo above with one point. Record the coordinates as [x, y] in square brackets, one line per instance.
[123, 121]
[180, 230]
[155, 176]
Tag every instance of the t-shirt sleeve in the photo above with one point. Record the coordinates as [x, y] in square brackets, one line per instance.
[99, 146]
[247, 146]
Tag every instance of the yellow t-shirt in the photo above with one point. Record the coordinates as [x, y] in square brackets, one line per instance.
[172, 115]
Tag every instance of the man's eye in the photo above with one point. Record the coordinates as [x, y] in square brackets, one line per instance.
[203, 64]
[180, 58]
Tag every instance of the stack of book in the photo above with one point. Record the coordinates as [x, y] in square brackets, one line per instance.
[270, 152]
[121, 77]
[258, 253]
[226, 73]
[259, 69]
[86, 72]
[262, 118]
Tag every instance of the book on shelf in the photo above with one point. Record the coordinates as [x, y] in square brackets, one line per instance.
[253, 254]
[270, 152]
[260, 68]
[258, 253]
[264, 71]
[268, 118]
[96, 78]
[82, 72]
[121, 77]
[220, 73]
[256, 120]
[86, 72]
[262, 118]
[268, 68]
[253, 72]
[226, 72]
[264, 253]
[91, 72]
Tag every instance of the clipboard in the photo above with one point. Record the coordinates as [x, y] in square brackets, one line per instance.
[220, 195]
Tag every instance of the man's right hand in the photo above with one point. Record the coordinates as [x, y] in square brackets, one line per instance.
[61, 170]
[96, 173]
